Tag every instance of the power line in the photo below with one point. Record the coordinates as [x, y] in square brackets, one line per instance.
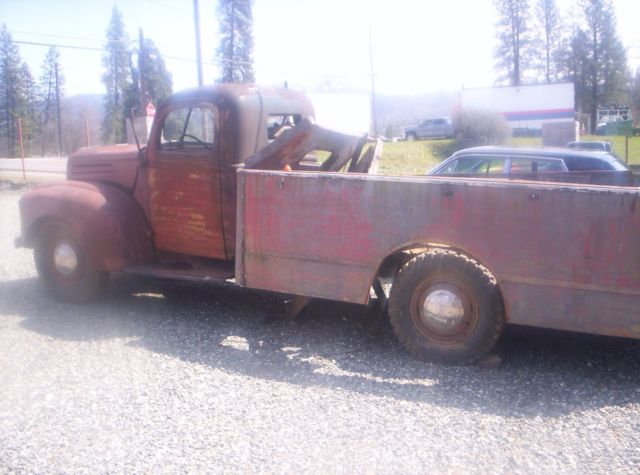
[35, 43]
[97, 40]
[92, 48]
[155, 2]
[33, 33]
[218, 62]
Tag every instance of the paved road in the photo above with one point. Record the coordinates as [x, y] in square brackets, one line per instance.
[195, 380]
[38, 168]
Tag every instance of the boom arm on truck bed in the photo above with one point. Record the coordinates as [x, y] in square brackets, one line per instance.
[293, 145]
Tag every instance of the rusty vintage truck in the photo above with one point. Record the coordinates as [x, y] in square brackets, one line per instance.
[225, 189]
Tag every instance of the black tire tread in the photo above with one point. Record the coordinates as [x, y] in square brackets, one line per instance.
[455, 263]
[94, 281]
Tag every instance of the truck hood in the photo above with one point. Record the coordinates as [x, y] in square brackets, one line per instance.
[116, 164]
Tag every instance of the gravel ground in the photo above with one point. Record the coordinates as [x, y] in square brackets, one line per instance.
[200, 382]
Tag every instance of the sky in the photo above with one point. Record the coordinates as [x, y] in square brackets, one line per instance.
[418, 46]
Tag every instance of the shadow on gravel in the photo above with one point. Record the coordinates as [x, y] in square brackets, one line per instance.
[333, 345]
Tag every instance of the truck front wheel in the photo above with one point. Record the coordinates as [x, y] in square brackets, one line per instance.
[445, 307]
[62, 264]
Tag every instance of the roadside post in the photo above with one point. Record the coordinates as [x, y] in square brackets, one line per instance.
[24, 175]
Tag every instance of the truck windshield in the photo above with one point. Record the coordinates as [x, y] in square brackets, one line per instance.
[188, 127]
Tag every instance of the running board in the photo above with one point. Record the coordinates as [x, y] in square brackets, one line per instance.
[209, 274]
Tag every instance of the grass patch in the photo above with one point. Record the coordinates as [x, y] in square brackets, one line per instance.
[416, 158]
[410, 158]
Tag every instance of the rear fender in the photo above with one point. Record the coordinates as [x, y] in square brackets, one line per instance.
[108, 220]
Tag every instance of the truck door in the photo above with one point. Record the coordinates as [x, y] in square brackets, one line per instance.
[438, 129]
[424, 129]
[184, 182]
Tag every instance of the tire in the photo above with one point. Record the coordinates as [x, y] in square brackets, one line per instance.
[471, 319]
[411, 137]
[63, 266]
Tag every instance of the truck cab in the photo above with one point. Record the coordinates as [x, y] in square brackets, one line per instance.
[168, 208]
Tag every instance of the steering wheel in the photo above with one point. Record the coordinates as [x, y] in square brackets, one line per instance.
[205, 145]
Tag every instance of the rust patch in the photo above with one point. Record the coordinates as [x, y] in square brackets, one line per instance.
[185, 207]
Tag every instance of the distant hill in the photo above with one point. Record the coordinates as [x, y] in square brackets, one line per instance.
[393, 112]
[81, 112]
[81, 119]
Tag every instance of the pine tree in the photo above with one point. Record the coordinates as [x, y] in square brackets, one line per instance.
[635, 94]
[156, 80]
[116, 79]
[28, 108]
[548, 39]
[606, 80]
[575, 66]
[12, 101]
[234, 53]
[47, 100]
[513, 39]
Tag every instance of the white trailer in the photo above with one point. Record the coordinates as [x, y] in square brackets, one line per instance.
[524, 107]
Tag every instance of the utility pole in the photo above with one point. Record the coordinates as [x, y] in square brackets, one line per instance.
[196, 19]
[46, 112]
[374, 118]
[142, 85]
[58, 111]
[115, 97]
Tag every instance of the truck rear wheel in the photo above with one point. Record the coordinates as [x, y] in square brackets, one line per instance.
[445, 307]
[62, 264]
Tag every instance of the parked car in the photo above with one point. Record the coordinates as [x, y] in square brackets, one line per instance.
[537, 163]
[429, 129]
[596, 145]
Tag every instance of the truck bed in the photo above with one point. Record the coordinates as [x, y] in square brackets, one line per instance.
[564, 256]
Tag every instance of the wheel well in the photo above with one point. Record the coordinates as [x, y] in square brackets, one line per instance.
[31, 234]
[391, 264]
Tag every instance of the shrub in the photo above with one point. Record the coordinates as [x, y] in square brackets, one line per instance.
[474, 127]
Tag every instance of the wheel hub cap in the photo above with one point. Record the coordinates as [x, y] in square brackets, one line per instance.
[443, 311]
[65, 258]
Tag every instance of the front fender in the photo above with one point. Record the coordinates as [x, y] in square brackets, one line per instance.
[109, 221]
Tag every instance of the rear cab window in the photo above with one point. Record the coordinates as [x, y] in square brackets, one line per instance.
[277, 124]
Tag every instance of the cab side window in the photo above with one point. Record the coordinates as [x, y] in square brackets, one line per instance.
[189, 128]
[474, 165]
[534, 165]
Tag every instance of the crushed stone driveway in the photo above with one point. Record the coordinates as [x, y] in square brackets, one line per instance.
[204, 379]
